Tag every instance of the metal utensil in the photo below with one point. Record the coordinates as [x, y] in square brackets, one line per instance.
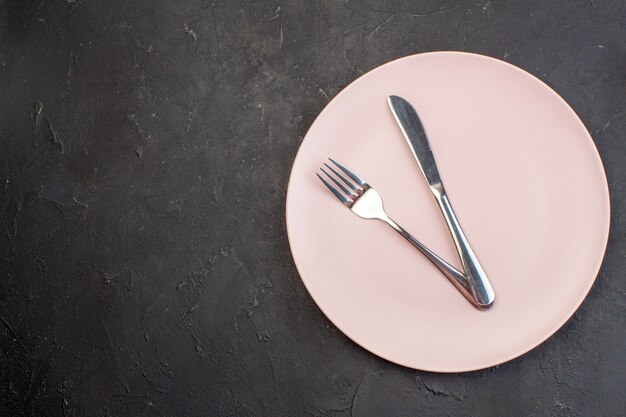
[414, 133]
[364, 201]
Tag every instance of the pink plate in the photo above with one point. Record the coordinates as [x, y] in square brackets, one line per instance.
[526, 182]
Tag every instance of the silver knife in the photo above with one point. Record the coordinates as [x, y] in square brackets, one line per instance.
[413, 131]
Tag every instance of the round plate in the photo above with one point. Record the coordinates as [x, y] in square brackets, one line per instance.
[527, 185]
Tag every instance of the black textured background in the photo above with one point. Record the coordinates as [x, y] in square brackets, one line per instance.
[144, 156]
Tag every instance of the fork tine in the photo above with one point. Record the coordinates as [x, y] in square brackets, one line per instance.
[335, 191]
[351, 174]
[352, 186]
[340, 185]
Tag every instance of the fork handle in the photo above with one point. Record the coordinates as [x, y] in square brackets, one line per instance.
[454, 275]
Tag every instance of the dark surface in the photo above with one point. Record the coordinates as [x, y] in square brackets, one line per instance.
[144, 264]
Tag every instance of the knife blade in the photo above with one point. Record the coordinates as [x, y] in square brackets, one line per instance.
[415, 135]
[413, 131]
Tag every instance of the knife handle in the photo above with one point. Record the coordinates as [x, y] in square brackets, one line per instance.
[477, 280]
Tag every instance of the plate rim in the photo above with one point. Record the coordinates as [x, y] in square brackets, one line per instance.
[607, 200]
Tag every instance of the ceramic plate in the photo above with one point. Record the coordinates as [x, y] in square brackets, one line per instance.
[526, 182]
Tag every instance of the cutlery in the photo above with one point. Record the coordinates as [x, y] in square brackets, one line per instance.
[365, 202]
[414, 133]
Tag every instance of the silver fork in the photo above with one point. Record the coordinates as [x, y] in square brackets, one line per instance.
[364, 201]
